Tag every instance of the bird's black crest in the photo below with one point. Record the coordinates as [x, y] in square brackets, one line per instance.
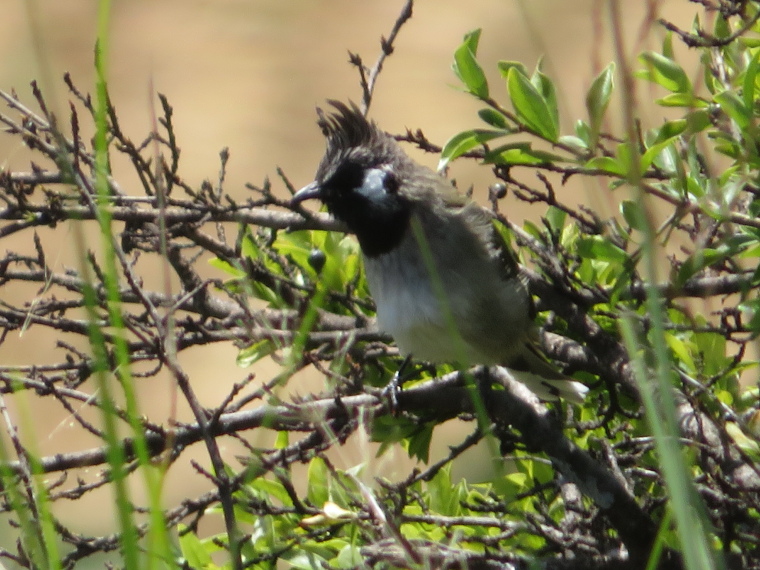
[351, 136]
[346, 127]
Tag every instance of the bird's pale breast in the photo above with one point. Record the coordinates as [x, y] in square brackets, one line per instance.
[469, 315]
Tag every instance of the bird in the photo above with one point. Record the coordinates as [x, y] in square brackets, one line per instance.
[445, 285]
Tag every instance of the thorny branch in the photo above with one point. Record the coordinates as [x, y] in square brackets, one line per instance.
[208, 223]
[368, 77]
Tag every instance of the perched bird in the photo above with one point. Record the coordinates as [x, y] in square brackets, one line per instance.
[446, 287]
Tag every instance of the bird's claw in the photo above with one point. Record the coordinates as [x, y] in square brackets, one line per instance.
[391, 390]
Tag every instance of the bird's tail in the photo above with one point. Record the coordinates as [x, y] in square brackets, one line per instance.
[532, 369]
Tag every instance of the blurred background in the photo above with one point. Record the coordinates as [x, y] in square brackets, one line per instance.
[247, 75]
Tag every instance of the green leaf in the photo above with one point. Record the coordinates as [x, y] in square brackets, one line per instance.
[318, 489]
[722, 28]
[651, 153]
[532, 109]
[520, 153]
[283, 440]
[748, 445]
[387, 430]
[574, 142]
[303, 560]
[255, 352]
[261, 291]
[625, 157]
[597, 100]
[681, 350]
[681, 100]
[734, 107]
[512, 484]
[472, 40]
[665, 72]
[608, 164]
[446, 496]
[669, 129]
[599, 247]
[749, 84]
[272, 489]
[545, 86]
[227, 267]
[555, 219]
[668, 160]
[505, 66]
[533, 230]
[298, 245]
[699, 261]
[418, 445]
[193, 550]
[712, 351]
[698, 121]
[583, 131]
[350, 556]
[751, 314]
[667, 45]
[467, 67]
[465, 141]
[493, 118]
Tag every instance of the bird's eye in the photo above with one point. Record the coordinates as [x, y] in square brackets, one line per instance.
[391, 182]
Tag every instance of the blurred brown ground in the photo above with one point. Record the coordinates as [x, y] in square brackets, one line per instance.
[247, 74]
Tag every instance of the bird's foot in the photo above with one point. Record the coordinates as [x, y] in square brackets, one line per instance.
[391, 390]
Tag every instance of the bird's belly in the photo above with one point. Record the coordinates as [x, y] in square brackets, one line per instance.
[411, 310]
[439, 343]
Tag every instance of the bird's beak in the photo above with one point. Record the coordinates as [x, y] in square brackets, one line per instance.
[308, 192]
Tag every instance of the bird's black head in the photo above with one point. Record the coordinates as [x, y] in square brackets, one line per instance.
[360, 179]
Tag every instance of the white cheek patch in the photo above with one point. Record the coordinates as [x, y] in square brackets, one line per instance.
[373, 185]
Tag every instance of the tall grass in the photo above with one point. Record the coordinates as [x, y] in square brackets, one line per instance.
[654, 378]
